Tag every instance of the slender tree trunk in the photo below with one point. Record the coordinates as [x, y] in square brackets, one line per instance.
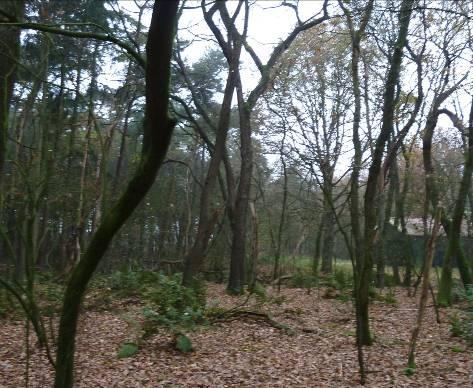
[75, 112]
[195, 257]
[432, 194]
[282, 219]
[122, 153]
[361, 304]
[375, 170]
[236, 279]
[425, 288]
[9, 54]
[165, 221]
[254, 245]
[384, 217]
[453, 248]
[328, 230]
[78, 234]
[401, 220]
[317, 249]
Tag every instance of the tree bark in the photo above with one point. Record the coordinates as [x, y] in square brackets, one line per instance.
[328, 228]
[196, 255]
[157, 135]
[246, 107]
[9, 54]
[425, 288]
[375, 170]
[236, 279]
[282, 218]
[454, 248]
[361, 306]
[432, 195]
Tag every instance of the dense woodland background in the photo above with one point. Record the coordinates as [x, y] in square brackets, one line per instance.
[327, 153]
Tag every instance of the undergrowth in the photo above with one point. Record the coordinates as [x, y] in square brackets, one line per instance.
[462, 325]
[169, 304]
[166, 304]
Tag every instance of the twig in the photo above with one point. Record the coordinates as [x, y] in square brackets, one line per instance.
[236, 314]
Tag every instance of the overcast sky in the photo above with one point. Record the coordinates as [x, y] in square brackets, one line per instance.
[269, 23]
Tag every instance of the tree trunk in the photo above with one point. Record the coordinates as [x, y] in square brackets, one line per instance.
[401, 221]
[328, 231]
[252, 278]
[157, 135]
[384, 217]
[425, 288]
[317, 250]
[236, 279]
[375, 170]
[453, 248]
[195, 257]
[361, 305]
[9, 54]
[282, 218]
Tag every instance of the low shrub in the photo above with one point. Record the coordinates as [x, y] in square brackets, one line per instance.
[49, 295]
[341, 279]
[170, 304]
[166, 302]
[389, 297]
[389, 280]
[303, 279]
[128, 283]
[455, 326]
[462, 325]
[7, 304]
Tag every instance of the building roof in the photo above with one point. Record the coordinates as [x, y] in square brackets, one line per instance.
[415, 226]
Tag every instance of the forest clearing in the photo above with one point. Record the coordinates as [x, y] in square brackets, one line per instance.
[318, 351]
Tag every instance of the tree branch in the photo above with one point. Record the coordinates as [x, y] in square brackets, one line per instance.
[105, 37]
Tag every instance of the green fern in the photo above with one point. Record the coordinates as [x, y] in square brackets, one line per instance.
[183, 343]
[128, 349]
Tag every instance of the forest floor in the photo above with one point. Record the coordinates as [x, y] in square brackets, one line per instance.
[245, 352]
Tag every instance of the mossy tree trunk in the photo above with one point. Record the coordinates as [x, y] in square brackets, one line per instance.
[157, 135]
[356, 34]
[376, 169]
[452, 227]
[454, 248]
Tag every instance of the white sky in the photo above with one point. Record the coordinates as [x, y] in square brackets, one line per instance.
[269, 23]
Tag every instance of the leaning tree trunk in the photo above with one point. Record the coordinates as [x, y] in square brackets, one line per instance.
[195, 257]
[157, 135]
[245, 109]
[453, 248]
[425, 289]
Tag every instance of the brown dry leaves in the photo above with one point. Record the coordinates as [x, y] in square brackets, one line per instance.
[253, 354]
